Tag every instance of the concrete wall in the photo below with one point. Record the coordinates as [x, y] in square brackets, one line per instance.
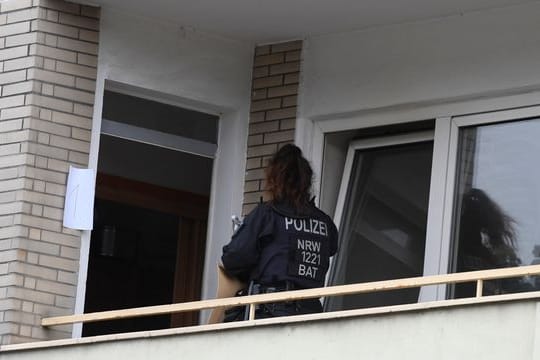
[459, 56]
[48, 57]
[490, 331]
[191, 69]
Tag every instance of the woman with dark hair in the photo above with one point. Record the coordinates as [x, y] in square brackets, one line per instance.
[487, 240]
[487, 235]
[284, 243]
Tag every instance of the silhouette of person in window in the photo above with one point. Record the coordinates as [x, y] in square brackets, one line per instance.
[487, 240]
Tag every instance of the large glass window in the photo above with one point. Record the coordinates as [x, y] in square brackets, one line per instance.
[383, 224]
[467, 198]
[497, 202]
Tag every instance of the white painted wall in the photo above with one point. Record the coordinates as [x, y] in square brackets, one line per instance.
[481, 61]
[165, 57]
[454, 57]
[193, 70]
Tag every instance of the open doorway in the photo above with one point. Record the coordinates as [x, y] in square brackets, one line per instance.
[151, 211]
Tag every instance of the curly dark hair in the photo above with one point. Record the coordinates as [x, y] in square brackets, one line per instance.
[483, 214]
[289, 177]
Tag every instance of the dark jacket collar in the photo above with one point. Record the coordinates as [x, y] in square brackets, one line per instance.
[286, 209]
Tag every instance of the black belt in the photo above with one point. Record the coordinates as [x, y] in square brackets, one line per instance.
[256, 288]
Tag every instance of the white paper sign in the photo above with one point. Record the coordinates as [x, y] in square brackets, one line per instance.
[79, 205]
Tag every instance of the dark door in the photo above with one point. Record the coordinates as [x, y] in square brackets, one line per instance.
[147, 248]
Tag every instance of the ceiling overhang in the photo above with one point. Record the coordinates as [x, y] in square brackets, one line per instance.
[279, 20]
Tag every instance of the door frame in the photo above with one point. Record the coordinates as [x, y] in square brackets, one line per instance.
[228, 167]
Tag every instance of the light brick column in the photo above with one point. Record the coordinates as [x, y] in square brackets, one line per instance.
[48, 60]
[273, 111]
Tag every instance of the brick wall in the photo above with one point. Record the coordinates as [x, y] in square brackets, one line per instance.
[273, 111]
[48, 59]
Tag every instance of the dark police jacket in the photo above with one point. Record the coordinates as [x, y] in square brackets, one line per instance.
[276, 244]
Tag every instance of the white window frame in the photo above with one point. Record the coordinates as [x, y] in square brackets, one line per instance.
[371, 143]
[365, 144]
[449, 118]
[457, 123]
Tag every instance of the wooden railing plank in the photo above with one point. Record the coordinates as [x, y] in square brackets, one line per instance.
[338, 290]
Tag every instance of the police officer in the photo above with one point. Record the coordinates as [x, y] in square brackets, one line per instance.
[285, 243]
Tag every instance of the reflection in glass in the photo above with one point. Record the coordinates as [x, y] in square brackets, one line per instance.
[497, 203]
[383, 227]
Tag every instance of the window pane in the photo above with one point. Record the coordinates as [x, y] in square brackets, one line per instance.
[383, 228]
[497, 205]
[159, 116]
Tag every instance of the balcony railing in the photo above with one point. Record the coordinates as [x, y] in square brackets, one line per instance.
[252, 300]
